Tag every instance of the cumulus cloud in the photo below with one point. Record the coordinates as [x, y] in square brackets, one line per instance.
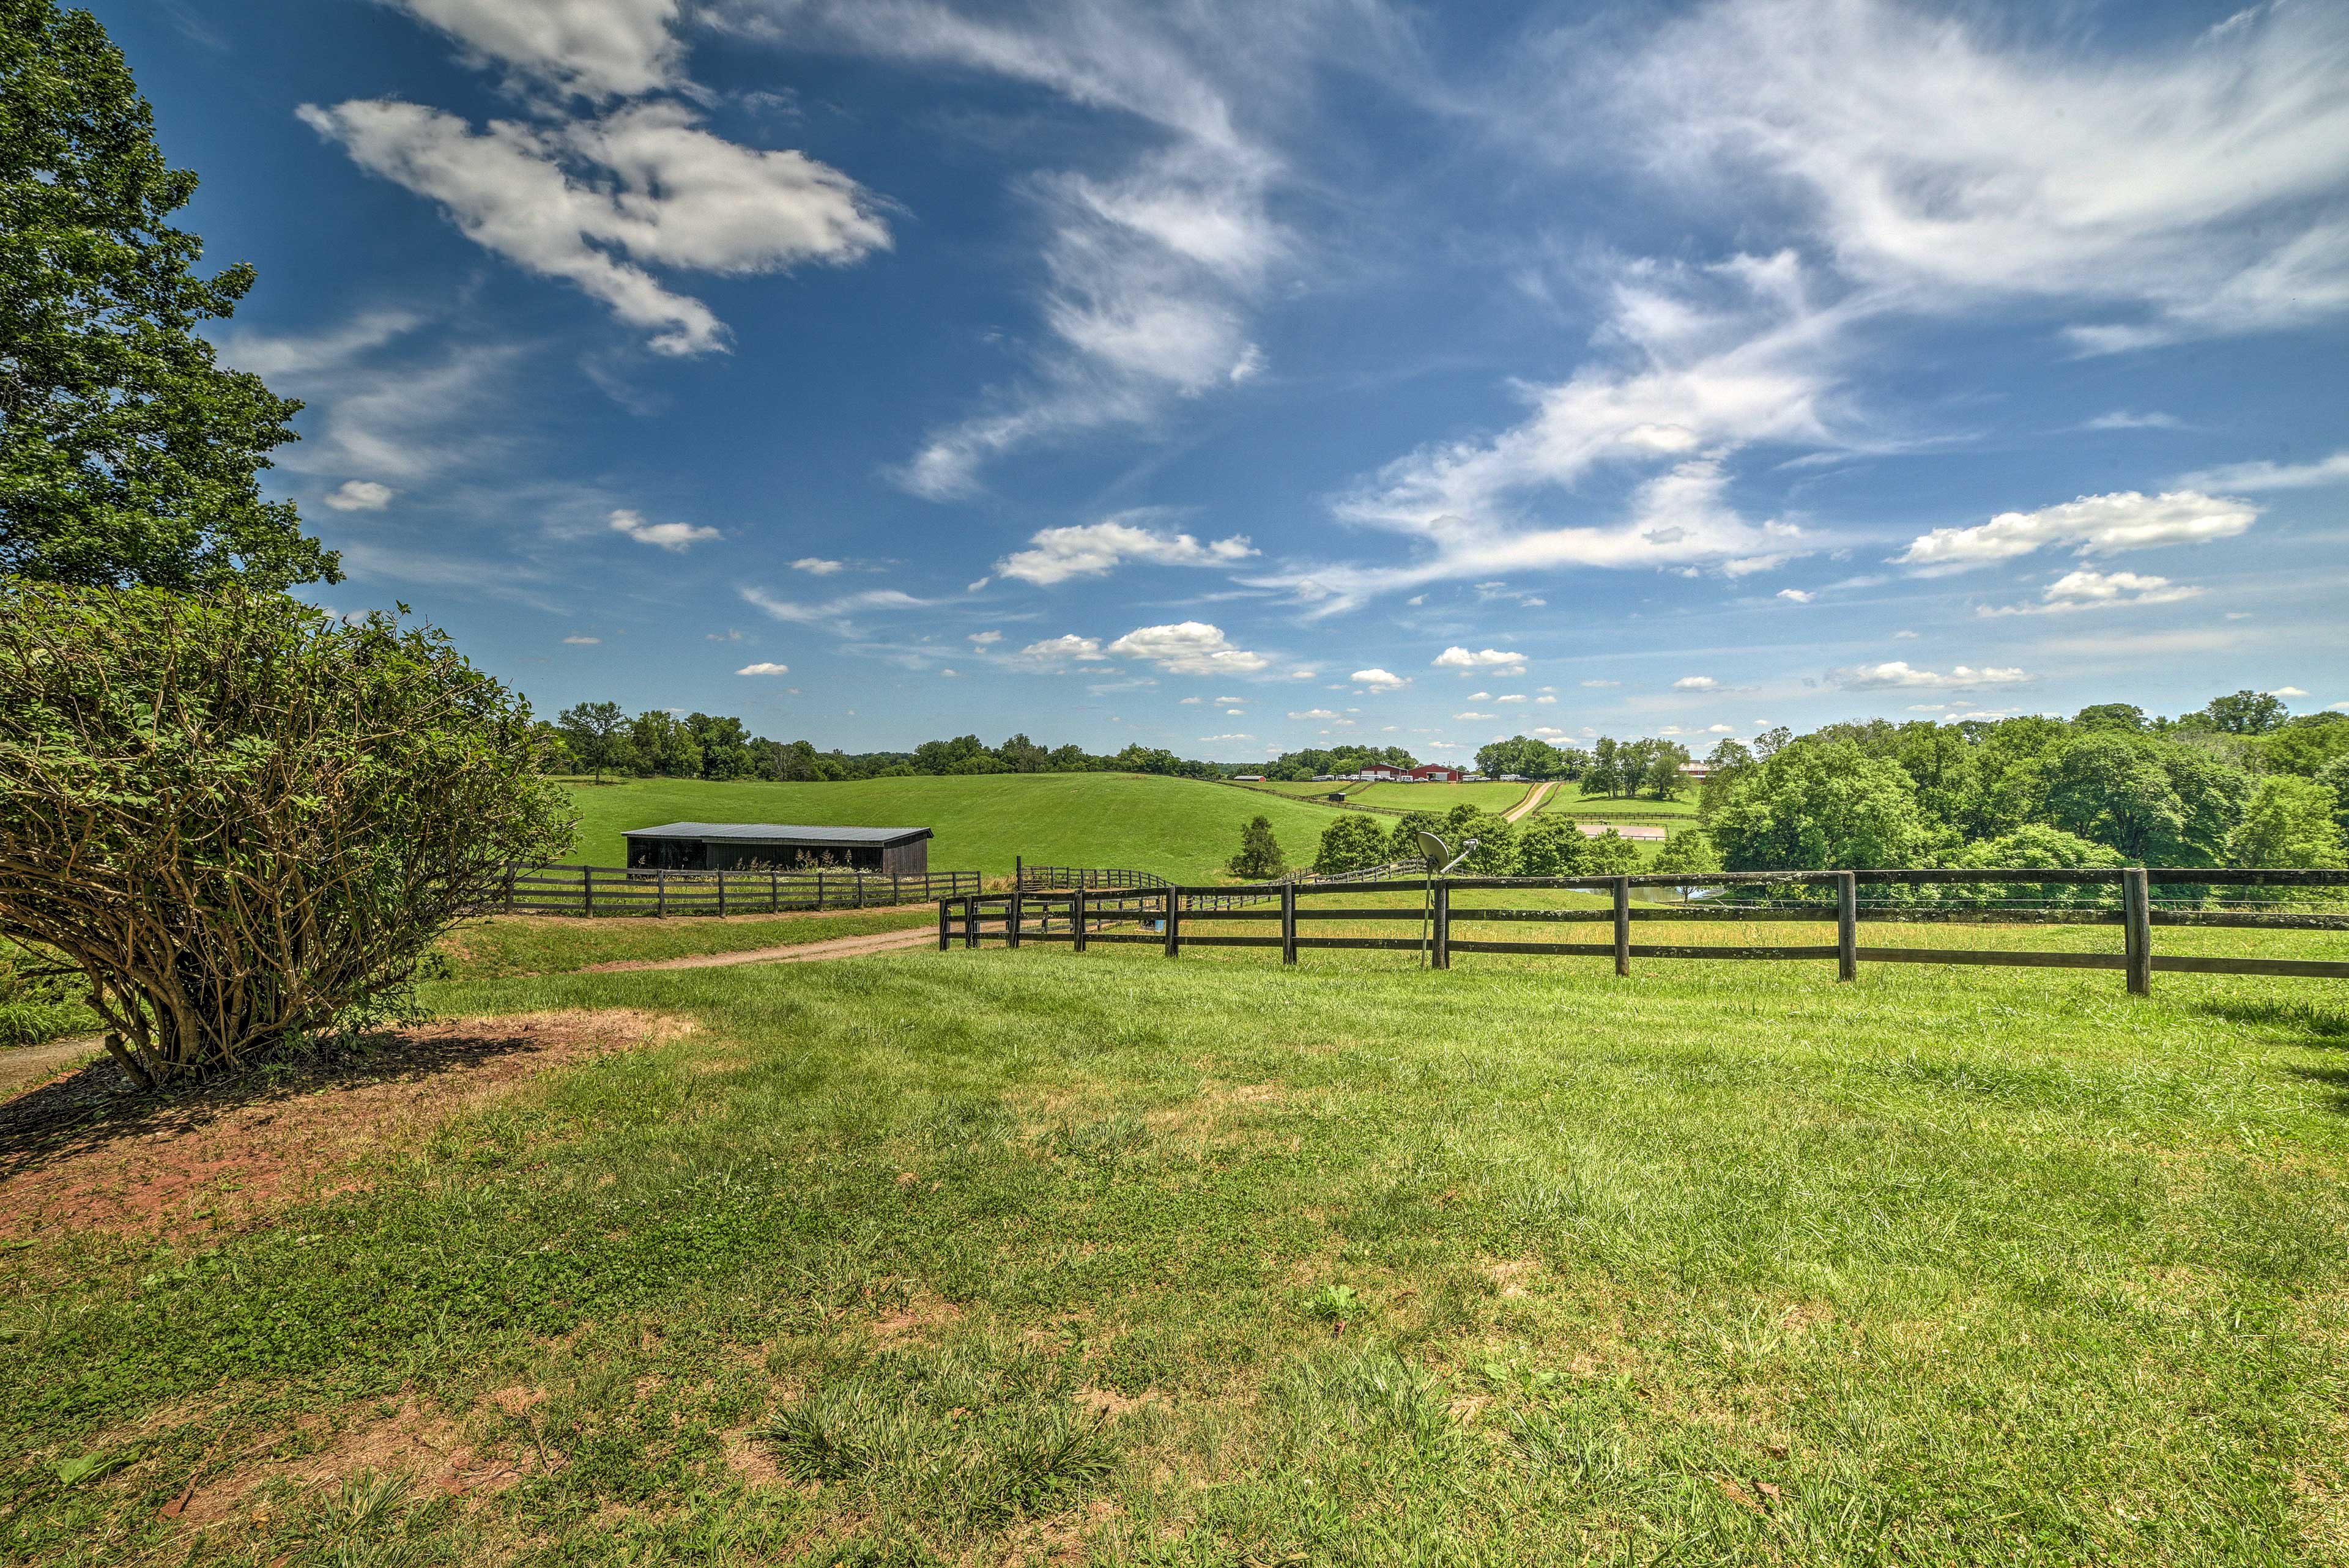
[598, 48]
[2287, 691]
[1316, 713]
[2088, 589]
[764, 668]
[2266, 476]
[360, 495]
[816, 566]
[1379, 680]
[1796, 595]
[1094, 550]
[1067, 649]
[675, 536]
[986, 639]
[2092, 525]
[1896, 675]
[1501, 661]
[646, 183]
[1696, 683]
[1188, 648]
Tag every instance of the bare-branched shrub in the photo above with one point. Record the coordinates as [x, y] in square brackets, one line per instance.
[241, 818]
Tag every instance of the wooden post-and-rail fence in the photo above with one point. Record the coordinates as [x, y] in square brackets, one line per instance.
[1084, 912]
[590, 891]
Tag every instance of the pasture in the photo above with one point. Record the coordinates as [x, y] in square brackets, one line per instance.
[1179, 827]
[1030, 1255]
[1567, 800]
[1439, 797]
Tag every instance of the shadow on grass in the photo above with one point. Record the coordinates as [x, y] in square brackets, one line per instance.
[101, 1105]
[2303, 1021]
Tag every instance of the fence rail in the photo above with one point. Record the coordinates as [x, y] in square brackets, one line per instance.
[590, 891]
[1082, 914]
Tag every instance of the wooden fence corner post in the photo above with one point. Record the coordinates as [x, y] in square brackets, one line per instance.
[1011, 927]
[2137, 915]
[970, 921]
[1288, 922]
[945, 938]
[1622, 925]
[1442, 957]
[1080, 918]
[1846, 926]
[1174, 919]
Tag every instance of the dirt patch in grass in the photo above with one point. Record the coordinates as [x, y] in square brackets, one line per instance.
[417, 1442]
[1213, 1108]
[94, 1152]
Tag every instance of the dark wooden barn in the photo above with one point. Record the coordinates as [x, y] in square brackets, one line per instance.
[771, 846]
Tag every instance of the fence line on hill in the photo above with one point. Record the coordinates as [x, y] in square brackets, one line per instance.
[1027, 878]
[1087, 913]
[589, 891]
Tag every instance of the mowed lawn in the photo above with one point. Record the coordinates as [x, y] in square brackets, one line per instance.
[1182, 829]
[1488, 797]
[1568, 800]
[1040, 1256]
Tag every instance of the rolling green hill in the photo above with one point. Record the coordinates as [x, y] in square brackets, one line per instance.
[1570, 801]
[1439, 797]
[1178, 828]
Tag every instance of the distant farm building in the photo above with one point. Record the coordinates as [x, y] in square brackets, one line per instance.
[763, 846]
[1437, 773]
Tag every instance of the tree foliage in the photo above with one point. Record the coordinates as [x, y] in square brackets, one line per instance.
[126, 455]
[1353, 842]
[1259, 855]
[240, 819]
[2289, 822]
[1819, 806]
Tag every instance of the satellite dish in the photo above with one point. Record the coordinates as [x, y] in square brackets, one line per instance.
[1434, 850]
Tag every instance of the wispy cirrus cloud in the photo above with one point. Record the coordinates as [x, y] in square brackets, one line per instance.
[2272, 475]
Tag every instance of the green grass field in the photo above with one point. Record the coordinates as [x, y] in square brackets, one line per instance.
[1493, 798]
[506, 945]
[1566, 799]
[1178, 828]
[1028, 1256]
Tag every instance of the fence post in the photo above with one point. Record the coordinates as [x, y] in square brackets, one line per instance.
[1288, 922]
[2137, 913]
[660, 898]
[944, 939]
[819, 890]
[1622, 925]
[587, 888]
[896, 894]
[1080, 917]
[510, 886]
[1174, 919]
[1846, 926]
[970, 921]
[1443, 955]
[1011, 927]
[721, 896]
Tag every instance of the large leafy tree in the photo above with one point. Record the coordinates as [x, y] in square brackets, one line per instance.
[2289, 823]
[240, 820]
[127, 456]
[1819, 806]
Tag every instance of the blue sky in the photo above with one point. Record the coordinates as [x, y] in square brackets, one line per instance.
[1241, 376]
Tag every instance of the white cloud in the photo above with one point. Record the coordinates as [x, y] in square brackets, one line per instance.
[1544, 702]
[582, 642]
[2093, 525]
[986, 639]
[838, 615]
[1514, 696]
[644, 182]
[2124, 420]
[1316, 713]
[2287, 691]
[1904, 636]
[1796, 595]
[360, 495]
[764, 668]
[1476, 715]
[1602, 683]
[676, 536]
[2266, 476]
[1188, 648]
[1228, 738]
[1065, 649]
[599, 49]
[1379, 680]
[1500, 661]
[1548, 732]
[1696, 683]
[1094, 550]
[2336, 707]
[2164, 191]
[1897, 675]
[817, 566]
[1479, 695]
[2087, 590]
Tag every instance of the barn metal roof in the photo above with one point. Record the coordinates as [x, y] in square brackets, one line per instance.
[780, 833]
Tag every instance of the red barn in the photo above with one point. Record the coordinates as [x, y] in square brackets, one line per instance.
[1435, 773]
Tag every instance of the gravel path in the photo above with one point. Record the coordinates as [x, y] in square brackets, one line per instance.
[1530, 804]
[22, 1066]
[798, 953]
